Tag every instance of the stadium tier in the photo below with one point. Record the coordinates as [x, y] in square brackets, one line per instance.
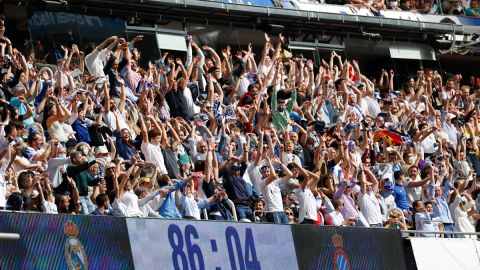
[257, 134]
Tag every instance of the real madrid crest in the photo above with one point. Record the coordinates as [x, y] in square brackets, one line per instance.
[340, 257]
[75, 254]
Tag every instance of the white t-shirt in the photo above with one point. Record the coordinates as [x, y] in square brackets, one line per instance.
[95, 62]
[307, 204]
[243, 87]
[428, 144]
[49, 207]
[370, 207]
[389, 201]
[130, 201]
[109, 118]
[273, 195]
[263, 69]
[413, 193]
[153, 153]
[190, 206]
[156, 202]
[335, 218]
[288, 158]
[191, 108]
[54, 167]
[255, 177]
[119, 208]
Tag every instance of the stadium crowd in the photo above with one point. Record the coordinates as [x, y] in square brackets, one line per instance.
[234, 136]
[453, 7]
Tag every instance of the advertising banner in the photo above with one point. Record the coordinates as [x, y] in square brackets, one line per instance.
[347, 248]
[164, 244]
[446, 253]
[64, 242]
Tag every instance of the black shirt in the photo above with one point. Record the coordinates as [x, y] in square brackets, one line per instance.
[177, 103]
[170, 161]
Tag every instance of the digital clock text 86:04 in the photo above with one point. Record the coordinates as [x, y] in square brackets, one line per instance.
[187, 255]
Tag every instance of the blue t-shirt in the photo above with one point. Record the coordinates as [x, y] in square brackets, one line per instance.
[124, 150]
[80, 127]
[22, 110]
[169, 209]
[401, 197]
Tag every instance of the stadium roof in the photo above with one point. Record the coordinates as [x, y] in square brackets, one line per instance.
[294, 21]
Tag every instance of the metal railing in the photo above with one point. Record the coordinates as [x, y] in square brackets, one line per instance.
[9, 236]
[440, 232]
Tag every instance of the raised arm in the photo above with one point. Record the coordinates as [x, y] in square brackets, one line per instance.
[215, 58]
[143, 129]
[184, 73]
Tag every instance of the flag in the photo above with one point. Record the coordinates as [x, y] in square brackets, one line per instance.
[216, 106]
[229, 112]
[392, 137]
[352, 75]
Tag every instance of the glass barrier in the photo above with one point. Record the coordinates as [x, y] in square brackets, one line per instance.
[428, 7]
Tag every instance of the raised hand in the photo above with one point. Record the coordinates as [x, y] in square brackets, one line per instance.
[267, 38]
[310, 64]
[137, 38]
[75, 49]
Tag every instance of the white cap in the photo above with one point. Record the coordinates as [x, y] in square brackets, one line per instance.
[101, 150]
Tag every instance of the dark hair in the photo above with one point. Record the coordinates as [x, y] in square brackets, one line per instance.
[163, 180]
[32, 136]
[420, 126]
[101, 200]
[75, 154]
[59, 199]
[22, 177]
[337, 83]
[46, 111]
[15, 201]
[18, 124]
[397, 175]
[310, 140]
[255, 201]
[416, 203]
[153, 133]
[199, 165]
[9, 128]
[212, 69]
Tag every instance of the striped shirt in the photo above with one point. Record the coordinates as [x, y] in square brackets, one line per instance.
[350, 209]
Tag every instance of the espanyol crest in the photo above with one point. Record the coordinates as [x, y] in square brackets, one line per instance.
[75, 254]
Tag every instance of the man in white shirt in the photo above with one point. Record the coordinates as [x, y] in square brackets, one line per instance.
[306, 195]
[151, 145]
[413, 185]
[423, 219]
[449, 128]
[270, 187]
[95, 60]
[367, 199]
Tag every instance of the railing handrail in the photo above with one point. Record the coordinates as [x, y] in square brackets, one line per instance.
[440, 232]
[9, 236]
